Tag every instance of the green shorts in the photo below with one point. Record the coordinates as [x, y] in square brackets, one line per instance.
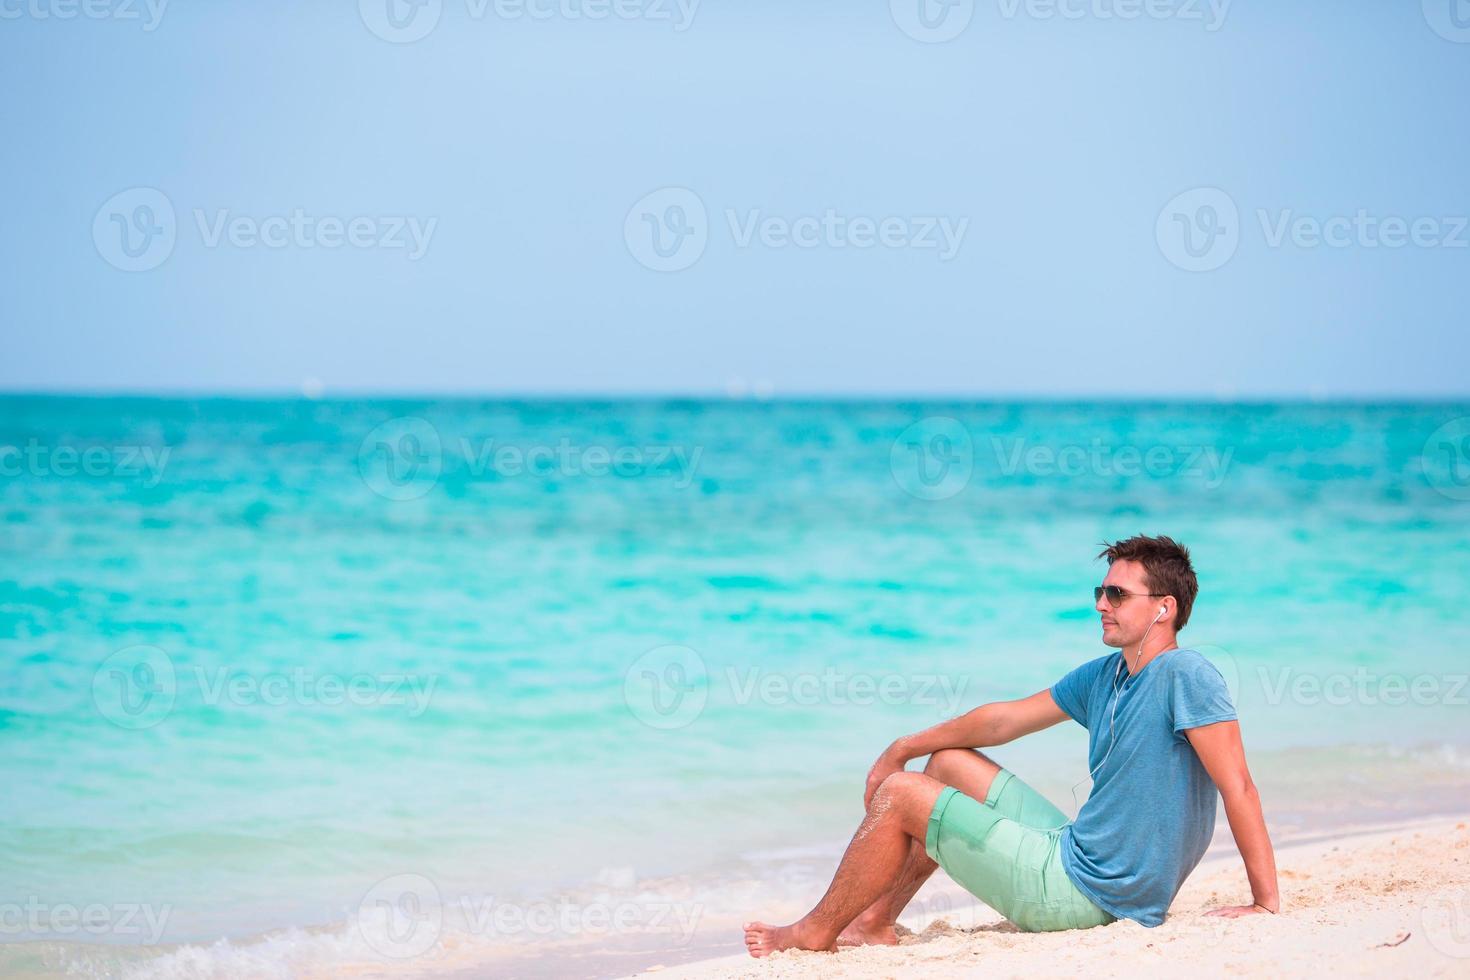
[1007, 853]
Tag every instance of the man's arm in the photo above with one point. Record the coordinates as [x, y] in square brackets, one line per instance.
[990, 724]
[1220, 750]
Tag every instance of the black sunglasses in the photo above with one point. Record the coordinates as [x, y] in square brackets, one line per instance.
[1116, 595]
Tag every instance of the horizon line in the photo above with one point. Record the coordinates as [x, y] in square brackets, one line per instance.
[572, 395]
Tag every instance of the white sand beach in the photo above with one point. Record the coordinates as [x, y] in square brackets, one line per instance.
[1373, 902]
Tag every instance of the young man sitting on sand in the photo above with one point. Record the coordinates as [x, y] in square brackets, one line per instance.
[1162, 738]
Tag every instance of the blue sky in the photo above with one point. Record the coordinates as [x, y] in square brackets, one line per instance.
[866, 211]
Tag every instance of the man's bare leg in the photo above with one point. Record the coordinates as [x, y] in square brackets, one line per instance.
[897, 816]
[966, 770]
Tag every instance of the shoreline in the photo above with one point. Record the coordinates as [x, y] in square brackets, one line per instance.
[1327, 883]
[950, 927]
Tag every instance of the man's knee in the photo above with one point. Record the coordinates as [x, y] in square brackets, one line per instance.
[898, 784]
[948, 762]
[907, 797]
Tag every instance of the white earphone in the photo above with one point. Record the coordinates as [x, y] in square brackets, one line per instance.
[1113, 713]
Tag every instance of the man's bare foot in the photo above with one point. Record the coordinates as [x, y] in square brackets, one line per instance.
[868, 933]
[763, 940]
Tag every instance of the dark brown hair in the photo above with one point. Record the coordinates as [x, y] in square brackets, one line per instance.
[1166, 568]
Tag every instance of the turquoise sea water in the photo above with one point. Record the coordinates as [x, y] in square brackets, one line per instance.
[272, 666]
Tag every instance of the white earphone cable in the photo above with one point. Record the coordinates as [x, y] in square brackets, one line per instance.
[1113, 712]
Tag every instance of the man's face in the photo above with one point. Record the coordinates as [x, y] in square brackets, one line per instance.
[1125, 625]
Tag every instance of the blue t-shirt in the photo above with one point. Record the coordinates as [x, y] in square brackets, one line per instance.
[1152, 809]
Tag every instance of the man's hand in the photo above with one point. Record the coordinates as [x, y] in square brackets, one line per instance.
[990, 724]
[1236, 911]
[1221, 752]
[890, 762]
